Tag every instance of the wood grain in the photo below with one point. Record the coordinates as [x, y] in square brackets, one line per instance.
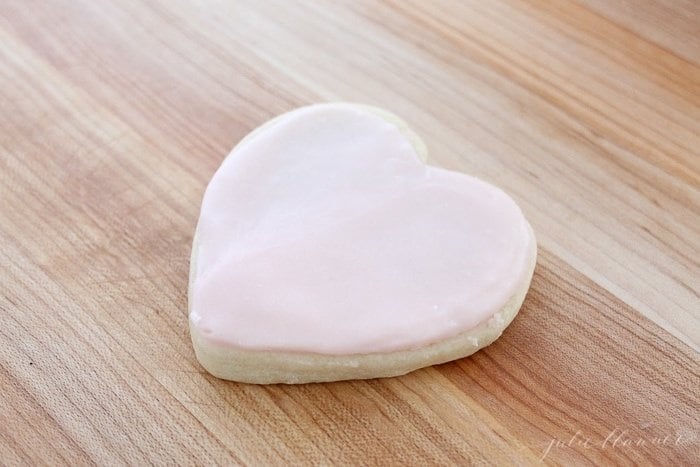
[115, 115]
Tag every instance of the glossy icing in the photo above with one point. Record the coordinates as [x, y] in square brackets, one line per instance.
[323, 232]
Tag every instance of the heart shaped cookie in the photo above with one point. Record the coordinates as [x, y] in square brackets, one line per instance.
[326, 249]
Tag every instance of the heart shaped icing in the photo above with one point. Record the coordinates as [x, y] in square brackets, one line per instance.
[324, 232]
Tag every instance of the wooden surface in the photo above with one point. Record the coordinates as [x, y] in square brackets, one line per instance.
[114, 115]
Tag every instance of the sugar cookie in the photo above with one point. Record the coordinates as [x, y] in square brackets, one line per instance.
[326, 250]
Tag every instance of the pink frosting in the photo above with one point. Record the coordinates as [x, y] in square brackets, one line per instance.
[325, 233]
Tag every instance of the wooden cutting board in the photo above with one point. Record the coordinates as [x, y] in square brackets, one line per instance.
[115, 114]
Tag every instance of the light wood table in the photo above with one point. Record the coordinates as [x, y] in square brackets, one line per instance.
[115, 114]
